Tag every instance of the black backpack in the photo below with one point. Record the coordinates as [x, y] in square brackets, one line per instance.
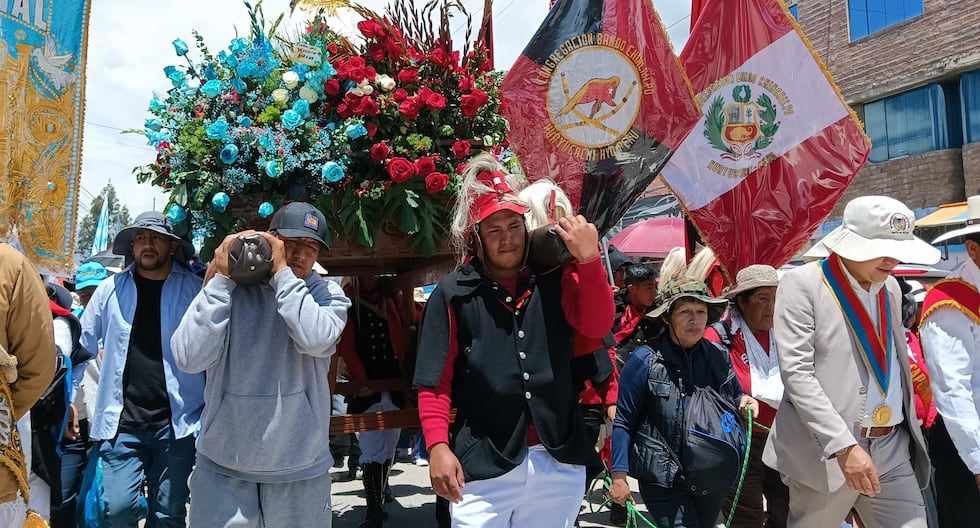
[714, 446]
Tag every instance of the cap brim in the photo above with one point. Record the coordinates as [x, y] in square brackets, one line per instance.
[123, 242]
[968, 230]
[716, 306]
[853, 246]
[730, 294]
[86, 284]
[300, 233]
[502, 205]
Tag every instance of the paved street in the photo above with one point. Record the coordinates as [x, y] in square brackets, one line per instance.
[415, 502]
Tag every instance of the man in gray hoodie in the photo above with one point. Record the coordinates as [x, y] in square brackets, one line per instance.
[263, 454]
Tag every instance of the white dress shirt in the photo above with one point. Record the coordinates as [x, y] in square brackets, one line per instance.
[869, 298]
[950, 344]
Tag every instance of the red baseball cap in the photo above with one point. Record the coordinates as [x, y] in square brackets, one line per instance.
[502, 198]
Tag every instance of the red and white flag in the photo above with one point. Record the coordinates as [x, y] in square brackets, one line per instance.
[776, 146]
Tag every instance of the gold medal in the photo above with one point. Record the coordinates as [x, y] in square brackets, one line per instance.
[881, 415]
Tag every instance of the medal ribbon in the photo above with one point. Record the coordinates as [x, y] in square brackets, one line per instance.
[874, 340]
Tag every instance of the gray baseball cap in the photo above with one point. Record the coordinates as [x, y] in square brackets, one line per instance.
[299, 220]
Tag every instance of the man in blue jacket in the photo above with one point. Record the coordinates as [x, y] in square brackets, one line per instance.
[264, 453]
[147, 411]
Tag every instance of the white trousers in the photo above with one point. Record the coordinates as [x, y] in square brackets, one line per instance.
[13, 513]
[379, 446]
[541, 492]
[40, 492]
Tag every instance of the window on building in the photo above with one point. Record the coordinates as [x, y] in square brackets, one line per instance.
[795, 11]
[970, 96]
[913, 122]
[868, 16]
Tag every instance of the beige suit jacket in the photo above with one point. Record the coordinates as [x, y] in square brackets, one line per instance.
[826, 383]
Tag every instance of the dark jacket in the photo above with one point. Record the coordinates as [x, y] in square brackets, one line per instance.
[509, 358]
[654, 387]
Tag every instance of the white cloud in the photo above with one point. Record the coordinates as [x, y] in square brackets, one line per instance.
[129, 44]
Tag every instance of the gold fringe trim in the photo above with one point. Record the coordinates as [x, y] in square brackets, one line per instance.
[34, 520]
[951, 303]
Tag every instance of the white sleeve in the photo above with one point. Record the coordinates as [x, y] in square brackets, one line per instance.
[949, 344]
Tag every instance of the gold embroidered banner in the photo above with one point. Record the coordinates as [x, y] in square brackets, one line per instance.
[42, 95]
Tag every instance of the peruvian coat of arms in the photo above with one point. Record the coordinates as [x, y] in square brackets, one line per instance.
[743, 127]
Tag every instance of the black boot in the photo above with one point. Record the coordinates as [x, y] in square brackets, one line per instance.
[373, 491]
[388, 496]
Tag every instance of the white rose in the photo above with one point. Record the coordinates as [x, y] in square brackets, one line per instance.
[385, 82]
[367, 89]
[309, 94]
[356, 91]
[280, 95]
[291, 79]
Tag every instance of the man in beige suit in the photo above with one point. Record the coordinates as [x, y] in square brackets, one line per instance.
[842, 437]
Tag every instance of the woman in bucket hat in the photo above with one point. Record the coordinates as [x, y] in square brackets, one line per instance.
[655, 386]
[842, 437]
[747, 335]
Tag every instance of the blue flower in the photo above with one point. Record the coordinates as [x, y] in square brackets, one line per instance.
[157, 104]
[229, 153]
[355, 130]
[267, 142]
[176, 214]
[238, 45]
[245, 121]
[230, 61]
[328, 69]
[301, 69]
[348, 86]
[239, 85]
[218, 129]
[291, 119]
[245, 69]
[180, 47]
[331, 126]
[190, 87]
[220, 201]
[177, 77]
[169, 70]
[332, 172]
[273, 168]
[266, 210]
[155, 138]
[210, 72]
[153, 124]
[212, 88]
[302, 107]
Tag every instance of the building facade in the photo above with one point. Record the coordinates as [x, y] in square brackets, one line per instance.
[911, 71]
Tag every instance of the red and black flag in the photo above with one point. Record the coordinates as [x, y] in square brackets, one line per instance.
[598, 103]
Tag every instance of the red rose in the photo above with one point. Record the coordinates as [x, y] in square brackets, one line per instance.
[377, 52]
[436, 182]
[410, 107]
[325, 109]
[380, 151]
[370, 73]
[370, 29]
[408, 75]
[367, 107]
[371, 128]
[467, 83]
[435, 101]
[343, 110]
[332, 87]
[481, 96]
[469, 105]
[399, 95]
[439, 57]
[424, 93]
[461, 149]
[460, 168]
[400, 170]
[356, 62]
[332, 48]
[425, 166]
[393, 48]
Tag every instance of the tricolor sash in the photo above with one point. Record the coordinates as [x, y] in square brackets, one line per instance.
[954, 293]
[874, 340]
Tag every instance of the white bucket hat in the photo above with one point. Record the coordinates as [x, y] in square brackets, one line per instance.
[972, 221]
[875, 227]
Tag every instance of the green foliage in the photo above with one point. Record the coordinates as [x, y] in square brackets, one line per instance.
[715, 123]
[769, 127]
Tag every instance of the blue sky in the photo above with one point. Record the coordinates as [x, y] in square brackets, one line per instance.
[130, 44]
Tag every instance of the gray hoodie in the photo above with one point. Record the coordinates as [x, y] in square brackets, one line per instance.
[266, 353]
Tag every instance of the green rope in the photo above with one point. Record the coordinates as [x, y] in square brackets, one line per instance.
[633, 517]
[606, 484]
[745, 468]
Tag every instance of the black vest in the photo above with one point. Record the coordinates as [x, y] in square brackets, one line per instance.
[513, 369]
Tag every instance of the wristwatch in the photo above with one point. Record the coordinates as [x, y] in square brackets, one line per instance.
[842, 452]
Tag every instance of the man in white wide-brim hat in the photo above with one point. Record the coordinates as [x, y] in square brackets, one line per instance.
[842, 437]
[950, 335]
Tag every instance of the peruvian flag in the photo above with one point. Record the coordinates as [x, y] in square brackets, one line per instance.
[598, 103]
[776, 146]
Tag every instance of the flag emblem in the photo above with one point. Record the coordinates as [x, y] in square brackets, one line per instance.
[311, 222]
[588, 111]
[742, 127]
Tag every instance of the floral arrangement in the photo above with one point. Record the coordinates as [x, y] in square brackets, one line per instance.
[373, 131]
